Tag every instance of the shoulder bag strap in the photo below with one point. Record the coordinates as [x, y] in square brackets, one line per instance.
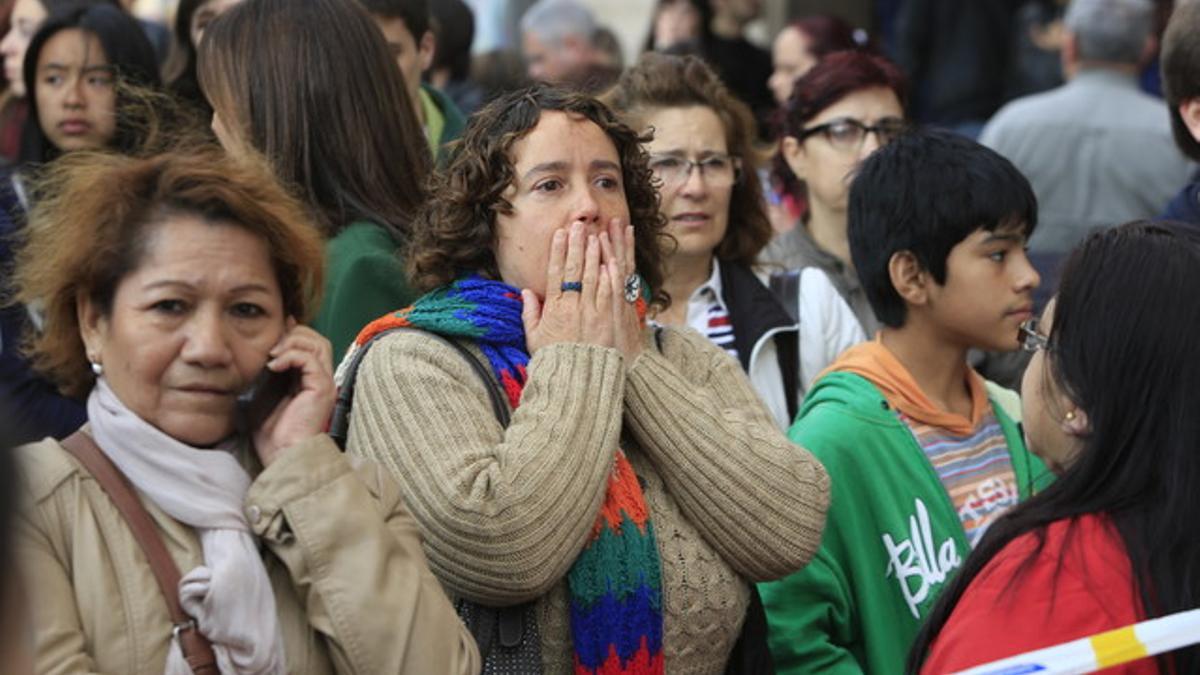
[785, 286]
[197, 650]
[339, 425]
[509, 621]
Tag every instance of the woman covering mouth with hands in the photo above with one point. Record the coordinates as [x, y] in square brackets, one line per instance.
[624, 500]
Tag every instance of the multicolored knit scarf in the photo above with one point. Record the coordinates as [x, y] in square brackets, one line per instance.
[615, 583]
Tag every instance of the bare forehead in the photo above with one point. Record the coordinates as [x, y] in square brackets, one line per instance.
[561, 137]
[692, 127]
[189, 242]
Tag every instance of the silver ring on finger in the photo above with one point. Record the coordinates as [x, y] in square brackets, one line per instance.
[572, 287]
[633, 288]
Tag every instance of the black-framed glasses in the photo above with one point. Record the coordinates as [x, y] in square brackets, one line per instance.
[718, 170]
[848, 134]
[1031, 338]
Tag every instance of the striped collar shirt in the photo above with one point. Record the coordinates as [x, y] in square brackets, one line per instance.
[708, 314]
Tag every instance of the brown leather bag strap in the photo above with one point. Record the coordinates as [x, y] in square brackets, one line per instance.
[197, 650]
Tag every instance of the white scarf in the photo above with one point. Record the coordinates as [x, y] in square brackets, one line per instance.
[229, 595]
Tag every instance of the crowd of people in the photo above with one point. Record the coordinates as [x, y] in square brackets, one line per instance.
[327, 346]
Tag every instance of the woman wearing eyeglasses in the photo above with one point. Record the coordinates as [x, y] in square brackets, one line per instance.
[1110, 399]
[840, 111]
[702, 156]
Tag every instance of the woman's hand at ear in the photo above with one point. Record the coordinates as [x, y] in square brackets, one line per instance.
[304, 412]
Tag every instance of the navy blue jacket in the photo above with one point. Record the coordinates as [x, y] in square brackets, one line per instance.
[25, 397]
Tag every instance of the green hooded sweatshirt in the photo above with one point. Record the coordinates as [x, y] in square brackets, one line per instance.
[892, 536]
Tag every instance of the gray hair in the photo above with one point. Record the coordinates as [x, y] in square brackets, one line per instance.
[1110, 31]
[554, 20]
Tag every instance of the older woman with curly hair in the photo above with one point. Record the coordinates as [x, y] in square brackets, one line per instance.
[639, 487]
[178, 532]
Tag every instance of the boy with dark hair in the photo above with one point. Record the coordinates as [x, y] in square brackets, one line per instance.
[406, 24]
[1180, 59]
[921, 459]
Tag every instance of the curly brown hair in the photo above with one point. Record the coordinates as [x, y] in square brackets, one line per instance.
[665, 81]
[90, 229]
[456, 230]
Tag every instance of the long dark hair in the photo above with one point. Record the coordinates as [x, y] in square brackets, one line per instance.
[313, 87]
[1123, 348]
[129, 53]
[180, 69]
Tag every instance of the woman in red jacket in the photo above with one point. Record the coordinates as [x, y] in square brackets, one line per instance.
[1110, 401]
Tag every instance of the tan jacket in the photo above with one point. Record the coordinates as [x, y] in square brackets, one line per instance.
[505, 513]
[353, 589]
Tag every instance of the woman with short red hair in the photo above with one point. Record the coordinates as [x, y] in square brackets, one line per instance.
[841, 111]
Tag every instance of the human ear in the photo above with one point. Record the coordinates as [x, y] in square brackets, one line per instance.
[794, 155]
[425, 49]
[1189, 110]
[1069, 54]
[1149, 49]
[93, 326]
[908, 278]
[1075, 421]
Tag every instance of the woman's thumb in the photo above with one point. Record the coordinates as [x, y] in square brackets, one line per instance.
[531, 311]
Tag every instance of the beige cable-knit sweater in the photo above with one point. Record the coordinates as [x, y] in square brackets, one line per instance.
[504, 513]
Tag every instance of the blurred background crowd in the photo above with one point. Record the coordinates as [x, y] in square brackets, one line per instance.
[403, 161]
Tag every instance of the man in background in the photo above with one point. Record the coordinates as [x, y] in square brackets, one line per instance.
[406, 27]
[1097, 150]
[559, 41]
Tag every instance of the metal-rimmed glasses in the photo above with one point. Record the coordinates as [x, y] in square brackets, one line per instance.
[1030, 338]
[719, 171]
[847, 134]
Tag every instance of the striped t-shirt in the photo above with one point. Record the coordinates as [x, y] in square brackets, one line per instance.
[708, 315]
[976, 471]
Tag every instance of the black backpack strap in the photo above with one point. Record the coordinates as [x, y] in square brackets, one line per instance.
[785, 286]
[339, 425]
[787, 352]
[505, 626]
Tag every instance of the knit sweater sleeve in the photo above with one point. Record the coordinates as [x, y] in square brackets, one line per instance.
[503, 512]
[758, 499]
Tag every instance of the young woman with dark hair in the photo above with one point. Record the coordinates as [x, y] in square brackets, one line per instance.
[702, 154]
[841, 111]
[313, 87]
[22, 22]
[78, 69]
[1110, 399]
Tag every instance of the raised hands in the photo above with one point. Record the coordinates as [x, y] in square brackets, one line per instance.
[585, 298]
